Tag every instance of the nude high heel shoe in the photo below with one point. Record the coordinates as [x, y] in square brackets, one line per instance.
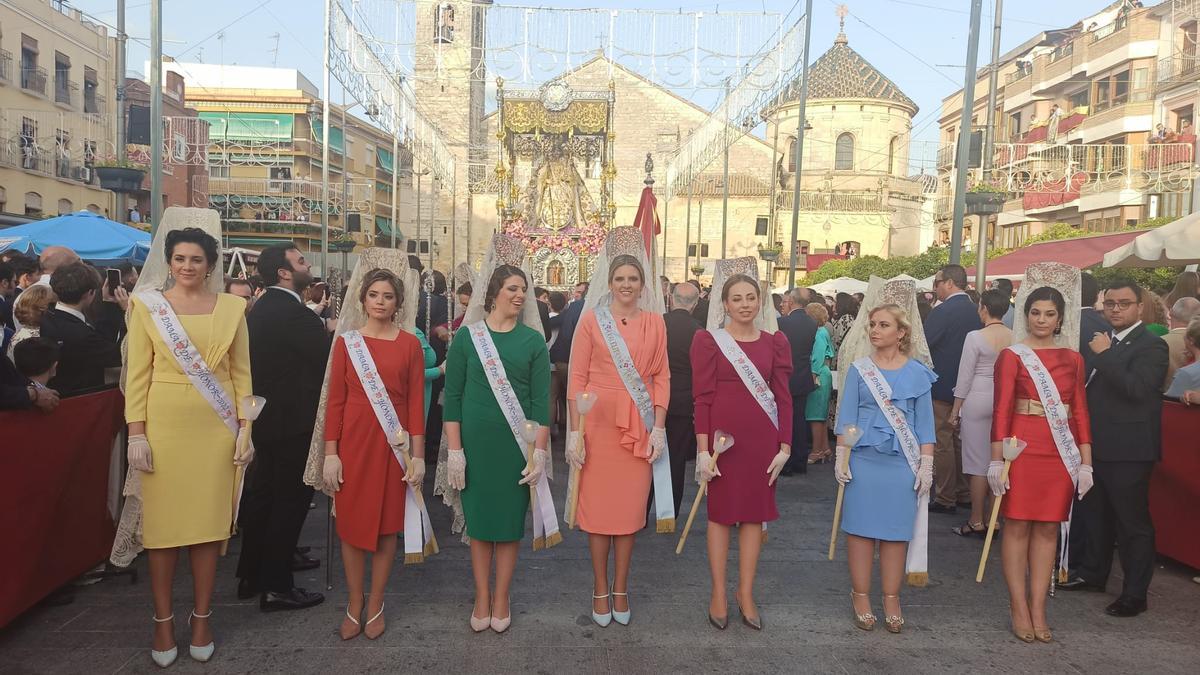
[864, 621]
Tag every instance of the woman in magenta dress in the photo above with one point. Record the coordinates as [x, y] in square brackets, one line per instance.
[741, 489]
[1039, 489]
[360, 468]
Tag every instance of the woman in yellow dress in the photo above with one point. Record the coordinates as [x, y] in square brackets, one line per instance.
[185, 442]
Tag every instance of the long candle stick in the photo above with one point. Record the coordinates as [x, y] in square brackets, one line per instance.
[721, 442]
[850, 436]
[583, 403]
[1012, 447]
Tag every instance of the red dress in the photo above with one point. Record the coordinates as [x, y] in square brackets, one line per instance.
[741, 494]
[1041, 488]
[371, 501]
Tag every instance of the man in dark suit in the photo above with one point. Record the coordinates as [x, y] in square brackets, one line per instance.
[681, 431]
[85, 352]
[1125, 403]
[1091, 321]
[800, 330]
[560, 353]
[946, 330]
[289, 346]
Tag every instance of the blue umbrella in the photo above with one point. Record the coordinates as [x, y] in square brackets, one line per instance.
[95, 238]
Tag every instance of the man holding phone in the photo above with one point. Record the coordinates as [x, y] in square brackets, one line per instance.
[114, 296]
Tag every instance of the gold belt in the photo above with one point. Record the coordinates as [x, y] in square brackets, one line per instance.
[1029, 406]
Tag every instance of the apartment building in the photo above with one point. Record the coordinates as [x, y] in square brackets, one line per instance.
[1082, 134]
[264, 160]
[55, 120]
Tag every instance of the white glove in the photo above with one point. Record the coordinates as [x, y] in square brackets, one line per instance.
[139, 454]
[243, 449]
[457, 463]
[776, 466]
[331, 473]
[533, 473]
[841, 465]
[658, 443]
[415, 476]
[706, 467]
[575, 452]
[924, 476]
[1086, 480]
[995, 468]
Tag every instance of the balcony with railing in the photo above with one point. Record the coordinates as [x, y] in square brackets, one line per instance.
[33, 79]
[1175, 70]
[66, 92]
[1054, 175]
[835, 202]
[6, 65]
[283, 200]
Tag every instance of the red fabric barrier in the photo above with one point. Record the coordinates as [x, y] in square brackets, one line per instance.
[54, 518]
[1175, 485]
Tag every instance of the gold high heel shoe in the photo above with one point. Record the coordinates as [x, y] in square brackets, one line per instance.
[863, 621]
[1043, 635]
[1023, 634]
[892, 623]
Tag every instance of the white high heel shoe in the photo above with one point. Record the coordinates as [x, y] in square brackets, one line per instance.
[201, 654]
[604, 619]
[164, 658]
[620, 617]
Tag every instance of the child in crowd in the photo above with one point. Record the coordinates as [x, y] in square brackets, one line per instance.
[36, 358]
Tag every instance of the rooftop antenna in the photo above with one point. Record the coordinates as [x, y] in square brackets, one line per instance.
[221, 40]
[275, 50]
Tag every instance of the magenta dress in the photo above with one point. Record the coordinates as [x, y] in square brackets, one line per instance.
[741, 494]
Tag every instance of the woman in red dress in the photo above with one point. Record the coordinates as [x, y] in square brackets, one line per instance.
[1040, 488]
[741, 491]
[359, 463]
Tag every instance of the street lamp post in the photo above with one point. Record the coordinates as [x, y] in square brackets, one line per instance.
[962, 158]
[801, 125]
[156, 128]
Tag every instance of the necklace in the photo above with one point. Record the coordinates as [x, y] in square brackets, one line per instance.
[993, 323]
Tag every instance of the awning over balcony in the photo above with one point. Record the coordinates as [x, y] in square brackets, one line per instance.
[384, 225]
[248, 126]
[1081, 252]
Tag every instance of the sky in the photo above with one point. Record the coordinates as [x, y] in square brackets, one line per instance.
[919, 44]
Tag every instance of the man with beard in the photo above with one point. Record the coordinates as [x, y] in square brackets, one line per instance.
[289, 346]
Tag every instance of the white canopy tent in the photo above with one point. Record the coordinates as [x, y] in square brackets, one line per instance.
[1176, 243]
[840, 285]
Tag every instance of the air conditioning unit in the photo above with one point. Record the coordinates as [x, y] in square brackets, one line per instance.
[82, 173]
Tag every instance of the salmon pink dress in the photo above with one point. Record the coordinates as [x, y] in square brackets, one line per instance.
[614, 485]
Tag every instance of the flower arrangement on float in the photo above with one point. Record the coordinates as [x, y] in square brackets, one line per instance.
[586, 240]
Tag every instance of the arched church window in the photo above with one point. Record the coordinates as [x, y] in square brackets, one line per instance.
[843, 158]
[443, 23]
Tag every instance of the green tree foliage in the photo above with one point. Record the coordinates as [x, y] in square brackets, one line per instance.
[922, 265]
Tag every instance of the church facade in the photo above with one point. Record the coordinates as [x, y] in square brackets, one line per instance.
[855, 196]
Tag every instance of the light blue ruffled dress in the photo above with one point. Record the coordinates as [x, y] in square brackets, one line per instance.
[880, 502]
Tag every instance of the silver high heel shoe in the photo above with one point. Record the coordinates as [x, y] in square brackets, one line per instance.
[164, 658]
[204, 653]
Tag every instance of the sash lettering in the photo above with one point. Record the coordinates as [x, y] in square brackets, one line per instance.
[746, 370]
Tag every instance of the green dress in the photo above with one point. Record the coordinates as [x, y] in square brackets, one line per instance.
[816, 408]
[493, 502]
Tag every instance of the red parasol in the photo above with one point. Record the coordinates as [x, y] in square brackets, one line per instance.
[646, 219]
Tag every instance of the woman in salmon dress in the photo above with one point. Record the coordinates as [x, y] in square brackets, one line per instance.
[741, 490]
[615, 474]
[1039, 490]
[183, 452]
[360, 466]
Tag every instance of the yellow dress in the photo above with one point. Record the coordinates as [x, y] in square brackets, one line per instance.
[188, 499]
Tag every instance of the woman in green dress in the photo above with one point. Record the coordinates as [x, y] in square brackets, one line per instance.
[485, 462]
[432, 370]
[816, 409]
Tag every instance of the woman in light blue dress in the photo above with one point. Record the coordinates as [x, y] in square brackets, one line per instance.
[816, 407]
[881, 494]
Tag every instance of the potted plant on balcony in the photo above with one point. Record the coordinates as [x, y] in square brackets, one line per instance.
[342, 243]
[120, 175]
[985, 199]
[770, 252]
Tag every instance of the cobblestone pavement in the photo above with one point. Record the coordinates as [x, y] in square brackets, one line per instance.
[953, 626]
